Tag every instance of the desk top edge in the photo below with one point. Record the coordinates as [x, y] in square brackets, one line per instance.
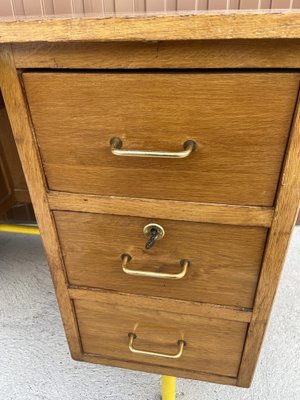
[279, 25]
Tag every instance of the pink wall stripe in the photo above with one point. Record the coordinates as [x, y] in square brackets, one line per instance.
[6, 8]
[265, 4]
[280, 4]
[171, 5]
[78, 7]
[234, 4]
[18, 7]
[63, 7]
[124, 6]
[48, 7]
[33, 8]
[185, 5]
[202, 5]
[248, 4]
[109, 6]
[140, 5]
[217, 4]
[93, 6]
[155, 5]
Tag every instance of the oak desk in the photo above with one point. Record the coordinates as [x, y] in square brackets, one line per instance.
[162, 158]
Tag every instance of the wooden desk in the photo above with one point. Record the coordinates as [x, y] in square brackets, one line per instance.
[196, 304]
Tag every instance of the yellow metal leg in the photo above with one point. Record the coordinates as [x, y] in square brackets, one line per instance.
[27, 230]
[168, 387]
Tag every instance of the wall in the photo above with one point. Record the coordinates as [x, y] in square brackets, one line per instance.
[106, 7]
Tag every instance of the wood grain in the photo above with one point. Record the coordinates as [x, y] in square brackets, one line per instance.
[213, 346]
[225, 260]
[244, 145]
[162, 304]
[286, 210]
[167, 209]
[286, 205]
[181, 54]
[159, 369]
[191, 27]
[22, 130]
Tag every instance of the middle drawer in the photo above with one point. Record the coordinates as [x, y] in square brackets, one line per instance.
[209, 263]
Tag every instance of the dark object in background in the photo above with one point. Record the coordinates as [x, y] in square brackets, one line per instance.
[15, 202]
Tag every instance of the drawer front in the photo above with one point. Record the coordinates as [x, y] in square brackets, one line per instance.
[211, 345]
[224, 260]
[240, 122]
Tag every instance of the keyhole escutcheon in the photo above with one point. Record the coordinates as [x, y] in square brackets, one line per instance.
[154, 232]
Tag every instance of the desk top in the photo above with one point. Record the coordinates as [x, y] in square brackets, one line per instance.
[239, 25]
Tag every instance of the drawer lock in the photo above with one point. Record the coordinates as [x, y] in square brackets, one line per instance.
[155, 232]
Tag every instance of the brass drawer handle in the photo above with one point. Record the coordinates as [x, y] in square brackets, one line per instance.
[116, 145]
[132, 336]
[126, 258]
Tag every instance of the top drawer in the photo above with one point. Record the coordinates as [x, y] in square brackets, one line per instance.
[240, 122]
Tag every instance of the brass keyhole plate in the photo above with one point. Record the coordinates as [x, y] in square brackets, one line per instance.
[159, 228]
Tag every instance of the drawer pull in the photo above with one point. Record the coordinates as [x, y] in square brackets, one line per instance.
[132, 336]
[126, 258]
[116, 145]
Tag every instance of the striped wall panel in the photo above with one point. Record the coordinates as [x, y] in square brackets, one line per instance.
[19, 8]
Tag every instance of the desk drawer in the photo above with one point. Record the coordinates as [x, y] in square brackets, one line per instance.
[211, 345]
[224, 260]
[239, 121]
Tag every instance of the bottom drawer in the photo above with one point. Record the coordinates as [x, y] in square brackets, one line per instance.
[211, 346]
